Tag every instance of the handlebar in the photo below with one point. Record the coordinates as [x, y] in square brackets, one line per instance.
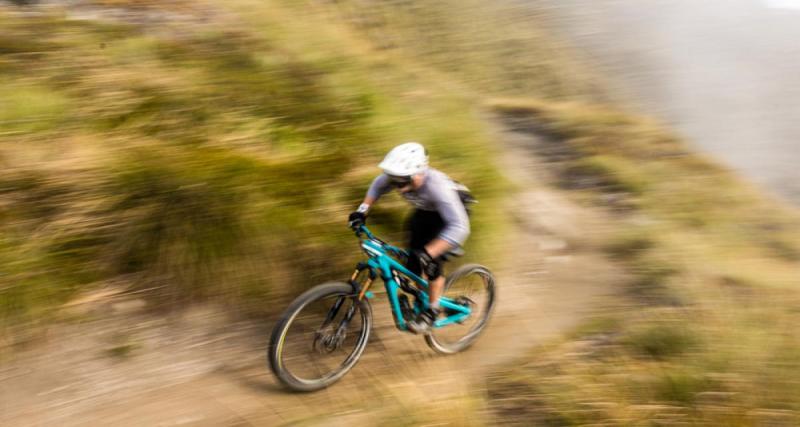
[363, 230]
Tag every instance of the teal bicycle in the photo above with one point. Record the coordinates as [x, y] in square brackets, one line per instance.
[324, 331]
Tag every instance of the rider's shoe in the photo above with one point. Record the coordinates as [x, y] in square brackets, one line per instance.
[424, 322]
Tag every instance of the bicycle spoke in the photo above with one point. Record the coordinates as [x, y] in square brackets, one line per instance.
[472, 287]
[314, 346]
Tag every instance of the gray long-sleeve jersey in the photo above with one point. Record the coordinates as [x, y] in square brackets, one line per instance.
[437, 193]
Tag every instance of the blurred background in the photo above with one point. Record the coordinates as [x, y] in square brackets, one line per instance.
[173, 173]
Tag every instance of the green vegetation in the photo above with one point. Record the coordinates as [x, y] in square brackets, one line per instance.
[684, 220]
[705, 341]
[217, 160]
[489, 48]
[121, 347]
[661, 340]
[210, 160]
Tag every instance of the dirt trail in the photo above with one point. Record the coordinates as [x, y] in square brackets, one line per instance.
[202, 369]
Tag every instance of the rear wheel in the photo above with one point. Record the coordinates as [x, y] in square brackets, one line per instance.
[471, 285]
[320, 337]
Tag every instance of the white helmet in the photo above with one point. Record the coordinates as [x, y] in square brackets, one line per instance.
[406, 159]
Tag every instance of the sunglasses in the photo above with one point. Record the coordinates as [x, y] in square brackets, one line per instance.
[400, 181]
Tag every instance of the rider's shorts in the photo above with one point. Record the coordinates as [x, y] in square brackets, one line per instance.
[422, 227]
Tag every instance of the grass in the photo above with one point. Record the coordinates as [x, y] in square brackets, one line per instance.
[218, 162]
[494, 49]
[207, 162]
[30, 108]
[710, 294]
[661, 340]
[121, 347]
[629, 245]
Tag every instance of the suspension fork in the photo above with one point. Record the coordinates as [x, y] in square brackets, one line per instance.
[340, 331]
[332, 313]
[359, 290]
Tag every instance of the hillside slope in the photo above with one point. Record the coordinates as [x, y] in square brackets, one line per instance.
[180, 152]
[703, 334]
[197, 152]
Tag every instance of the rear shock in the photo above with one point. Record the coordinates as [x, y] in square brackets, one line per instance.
[405, 307]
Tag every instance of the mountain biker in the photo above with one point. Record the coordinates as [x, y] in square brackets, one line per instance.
[439, 223]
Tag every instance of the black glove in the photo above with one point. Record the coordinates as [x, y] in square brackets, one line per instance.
[356, 220]
[431, 267]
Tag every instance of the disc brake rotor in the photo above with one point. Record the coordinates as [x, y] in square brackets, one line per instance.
[328, 342]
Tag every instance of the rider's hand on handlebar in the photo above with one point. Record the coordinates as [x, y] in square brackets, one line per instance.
[356, 220]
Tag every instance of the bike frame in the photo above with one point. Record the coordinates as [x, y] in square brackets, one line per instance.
[381, 264]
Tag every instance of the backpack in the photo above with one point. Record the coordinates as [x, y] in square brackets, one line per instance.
[467, 199]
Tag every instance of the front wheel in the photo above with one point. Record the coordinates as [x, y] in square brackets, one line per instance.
[320, 337]
[472, 285]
